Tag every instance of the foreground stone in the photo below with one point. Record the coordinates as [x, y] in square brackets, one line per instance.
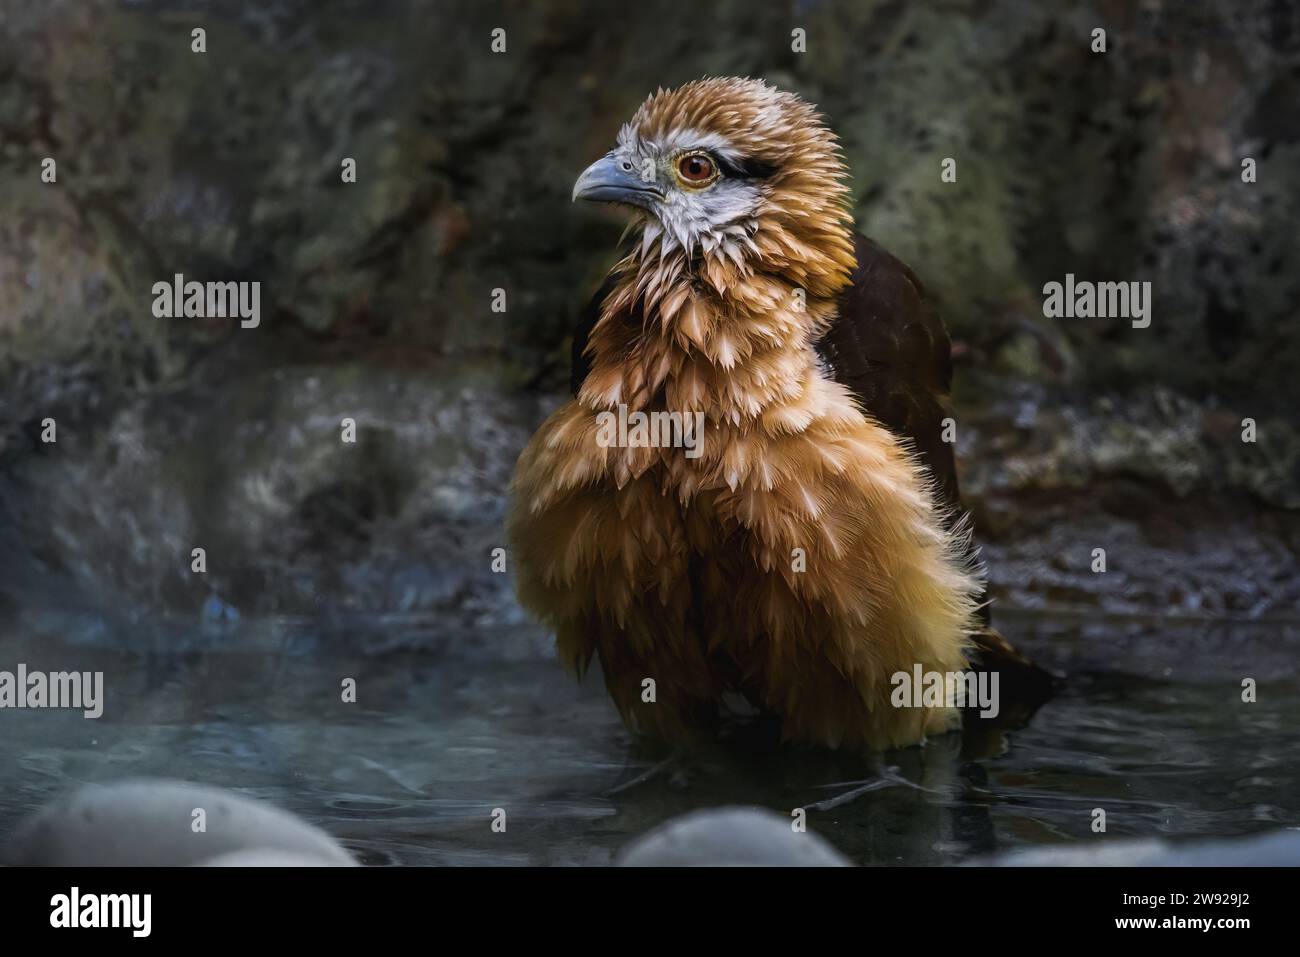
[149, 823]
[729, 837]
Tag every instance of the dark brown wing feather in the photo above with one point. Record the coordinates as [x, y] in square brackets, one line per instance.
[891, 349]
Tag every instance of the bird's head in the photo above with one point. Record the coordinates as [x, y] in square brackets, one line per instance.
[737, 170]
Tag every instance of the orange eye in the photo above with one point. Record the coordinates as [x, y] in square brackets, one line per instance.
[695, 168]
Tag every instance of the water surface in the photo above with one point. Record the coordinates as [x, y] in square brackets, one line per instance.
[452, 723]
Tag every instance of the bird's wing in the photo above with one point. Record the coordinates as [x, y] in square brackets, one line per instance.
[890, 348]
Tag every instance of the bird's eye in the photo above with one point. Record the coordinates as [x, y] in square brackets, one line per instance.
[696, 168]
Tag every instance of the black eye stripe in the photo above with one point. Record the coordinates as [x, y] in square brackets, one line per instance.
[745, 167]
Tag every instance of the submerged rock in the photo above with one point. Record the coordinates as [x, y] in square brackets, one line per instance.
[147, 823]
[730, 837]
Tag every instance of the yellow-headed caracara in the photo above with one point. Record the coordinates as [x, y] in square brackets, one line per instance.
[808, 547]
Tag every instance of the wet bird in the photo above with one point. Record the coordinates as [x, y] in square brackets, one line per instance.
[812, 545]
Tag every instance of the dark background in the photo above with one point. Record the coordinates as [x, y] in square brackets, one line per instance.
[1073, 434]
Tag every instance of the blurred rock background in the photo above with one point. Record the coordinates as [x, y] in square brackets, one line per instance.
[376, 296]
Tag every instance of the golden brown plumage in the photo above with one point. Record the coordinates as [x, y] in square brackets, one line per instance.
[688, 570]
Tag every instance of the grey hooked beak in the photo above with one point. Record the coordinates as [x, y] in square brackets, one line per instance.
[612, 179]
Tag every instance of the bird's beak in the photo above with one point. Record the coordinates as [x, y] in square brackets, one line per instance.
[606, 181]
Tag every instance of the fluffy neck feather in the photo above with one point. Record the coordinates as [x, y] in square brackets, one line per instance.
[728, 331]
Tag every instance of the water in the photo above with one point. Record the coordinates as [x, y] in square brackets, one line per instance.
[449, 725]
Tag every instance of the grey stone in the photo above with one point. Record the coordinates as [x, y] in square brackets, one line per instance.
[148, 823]
[729, 837]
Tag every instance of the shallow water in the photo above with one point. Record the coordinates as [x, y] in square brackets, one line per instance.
[450, 725]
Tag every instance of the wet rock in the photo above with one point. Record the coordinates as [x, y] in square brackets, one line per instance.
[293, 518]
[1278, 849]
[730, 837]
[152, 824]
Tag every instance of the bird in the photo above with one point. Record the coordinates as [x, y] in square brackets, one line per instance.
[810, 545]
